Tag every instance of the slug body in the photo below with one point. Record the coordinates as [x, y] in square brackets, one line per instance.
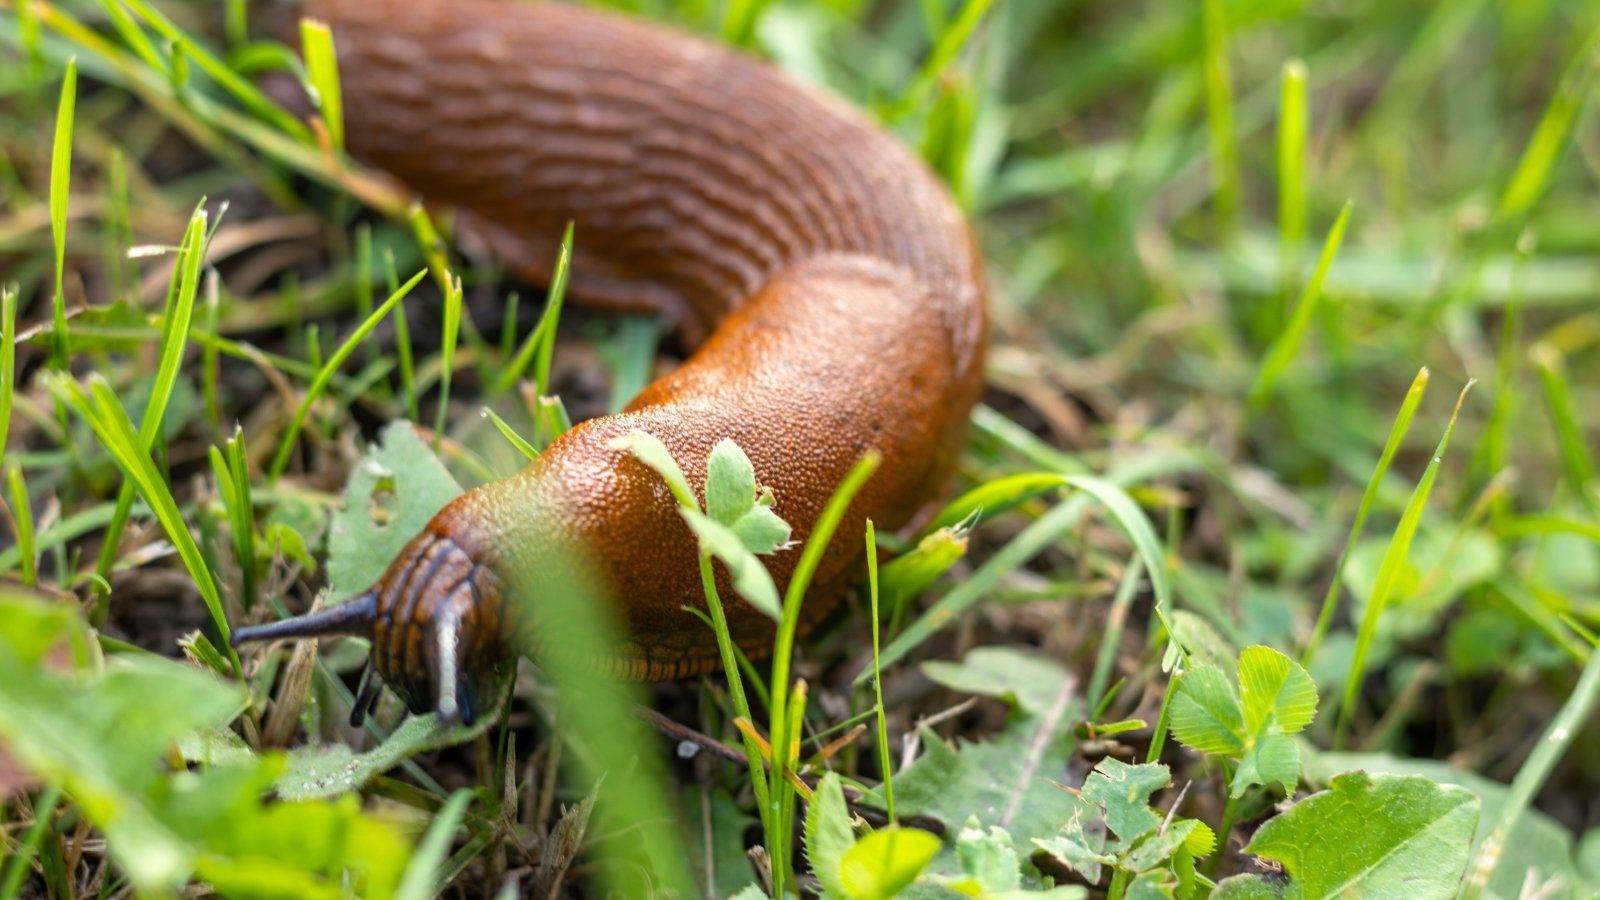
[827, 278]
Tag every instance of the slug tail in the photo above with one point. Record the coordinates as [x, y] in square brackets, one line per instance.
[354, 618]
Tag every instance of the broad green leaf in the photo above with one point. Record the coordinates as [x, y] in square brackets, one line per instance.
[1028, 681]
[1123, 794]
[715, 816]
[1375, 836]
[884, 862]
[951, 782]
[329, 770]
[750, 578]
[30, 628]
[253, 848]
[828, 834]
[1206, 714]
[1273, 687]
[102, 736]
[392, 494]
[1270, 758]
[1538, 848]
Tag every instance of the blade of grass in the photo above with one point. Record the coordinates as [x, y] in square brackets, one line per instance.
[1579, 469]
[779, 796]
[60, 182]
[877, 674]
[1287, 346]
[402, 341]
[1219, 119]
[510, 434]
[421, 879]
[1549, 139]
[322, 68]
[1291, 174]
[1388, 574]
[1121, 602]
[232, 472]
[539, 344]
[242, 89]
[280, 459]
[1046, 530]
[22, 519]
[1535, 771]
[100, 409]
[16, 868]
[1397, 434]
[1497, 433]
[175, 328]
[946, 47]
[447, 355]
[739, 21]
[8, 359]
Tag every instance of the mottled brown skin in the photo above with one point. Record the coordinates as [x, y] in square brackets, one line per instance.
[830, 282]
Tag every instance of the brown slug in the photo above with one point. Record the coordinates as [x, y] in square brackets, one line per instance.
[827, 278]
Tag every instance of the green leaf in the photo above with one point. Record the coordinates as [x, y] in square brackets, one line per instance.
[1537, 847]
[1270, 758]
[732, 499]
[1029, 682]
[750, 578]
[1155, 884]
[1160, 846]
[1255, 887]
[102, 735]
[1201, 841]
[1206, 714]
[950, 783]
[1376, 836]
[988, 858]
[828, 834]
[253, 848]
[715, 817]
[648, 449]
[1275, 689]
[1205, 644]
[392, 494]
[884, 862]
[1123, 794]
[1078, 849]
[331, 770]
[730, 482]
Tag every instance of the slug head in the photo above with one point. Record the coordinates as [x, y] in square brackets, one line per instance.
[440, 638]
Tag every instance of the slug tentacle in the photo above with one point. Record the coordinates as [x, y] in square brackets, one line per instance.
[352, 618]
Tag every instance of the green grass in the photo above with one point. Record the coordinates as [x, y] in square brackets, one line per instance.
[1199, 438]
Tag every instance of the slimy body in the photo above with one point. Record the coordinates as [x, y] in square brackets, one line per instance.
[827, 280]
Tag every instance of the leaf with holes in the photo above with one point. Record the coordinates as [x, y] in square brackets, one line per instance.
[398, 486]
